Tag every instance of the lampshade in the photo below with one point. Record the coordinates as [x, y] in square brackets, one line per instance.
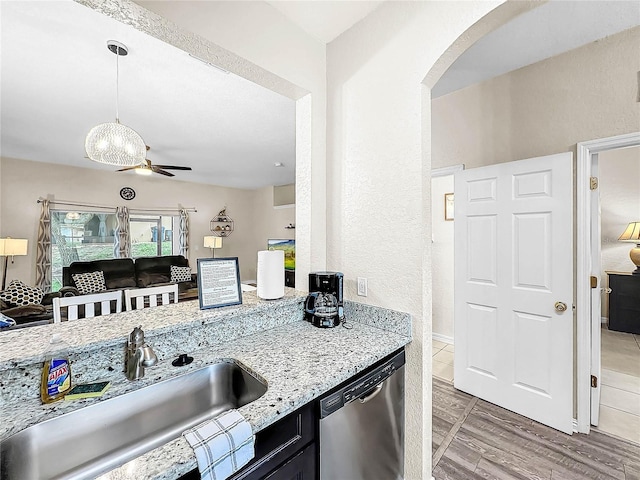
[115, 144]
[631, 233]
[212, 242]
[13, 246]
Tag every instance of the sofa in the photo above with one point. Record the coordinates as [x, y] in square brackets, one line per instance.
[30, 315]
[124, 273]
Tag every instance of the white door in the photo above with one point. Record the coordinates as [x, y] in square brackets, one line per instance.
[513, 276]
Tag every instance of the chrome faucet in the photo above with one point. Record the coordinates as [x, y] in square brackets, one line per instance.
[139, 355]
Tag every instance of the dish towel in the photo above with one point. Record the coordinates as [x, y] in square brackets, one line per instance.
[223, 445]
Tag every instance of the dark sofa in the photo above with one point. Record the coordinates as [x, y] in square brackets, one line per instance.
[122, 273]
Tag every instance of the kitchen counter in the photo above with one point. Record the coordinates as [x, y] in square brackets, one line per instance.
[298, 361]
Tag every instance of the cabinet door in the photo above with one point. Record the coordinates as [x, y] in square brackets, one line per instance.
[280, 441]
[300, 467]
[275, 444]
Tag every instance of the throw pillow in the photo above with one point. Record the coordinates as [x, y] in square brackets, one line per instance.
[180, 274]
[18, 294]
[88, 283]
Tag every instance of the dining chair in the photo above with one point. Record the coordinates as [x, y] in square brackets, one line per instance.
[148, 297]
[88, 302]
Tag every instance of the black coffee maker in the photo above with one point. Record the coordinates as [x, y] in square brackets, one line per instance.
[324, 307]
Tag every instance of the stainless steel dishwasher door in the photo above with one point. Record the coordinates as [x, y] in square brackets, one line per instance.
[364, 439]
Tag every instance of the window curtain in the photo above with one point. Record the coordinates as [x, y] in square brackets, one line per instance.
[43, 253]
[183, 239]
[122, 240]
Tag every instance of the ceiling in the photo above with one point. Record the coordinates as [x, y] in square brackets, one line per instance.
[553, 28]
[325, 19]
[58, 81]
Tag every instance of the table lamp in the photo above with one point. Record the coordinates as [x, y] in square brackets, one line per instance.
[632, 234]
[212, 242]
[9, 247]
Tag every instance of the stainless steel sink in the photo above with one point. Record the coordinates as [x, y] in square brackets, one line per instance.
[92, 440]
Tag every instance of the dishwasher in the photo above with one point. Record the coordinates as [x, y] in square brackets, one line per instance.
[361, 425]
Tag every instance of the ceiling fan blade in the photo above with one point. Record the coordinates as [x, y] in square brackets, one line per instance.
[162, 172]
[172, 167]
[128, 168]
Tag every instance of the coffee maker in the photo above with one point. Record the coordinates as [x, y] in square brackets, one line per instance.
[324, 307]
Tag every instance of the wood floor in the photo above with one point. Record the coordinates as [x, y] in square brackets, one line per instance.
[474, 439]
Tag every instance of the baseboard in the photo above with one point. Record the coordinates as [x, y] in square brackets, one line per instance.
[442, 338]
[604, 320]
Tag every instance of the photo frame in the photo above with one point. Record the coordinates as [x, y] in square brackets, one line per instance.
[448, 207]
[219, 282]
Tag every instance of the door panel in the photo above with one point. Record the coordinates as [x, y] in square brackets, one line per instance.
[513, 262]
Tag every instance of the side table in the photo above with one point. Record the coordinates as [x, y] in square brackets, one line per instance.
[624, 302]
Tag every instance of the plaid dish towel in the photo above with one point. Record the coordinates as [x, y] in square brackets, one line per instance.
[223, 445]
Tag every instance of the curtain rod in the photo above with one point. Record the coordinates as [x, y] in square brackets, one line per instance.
[109, 207]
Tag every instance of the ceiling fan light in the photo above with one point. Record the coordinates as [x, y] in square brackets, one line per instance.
[115, 144]
[143, 171]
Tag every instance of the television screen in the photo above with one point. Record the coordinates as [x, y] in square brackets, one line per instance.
[289, 248]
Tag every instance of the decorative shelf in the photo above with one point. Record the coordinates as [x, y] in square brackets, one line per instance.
[221, 225]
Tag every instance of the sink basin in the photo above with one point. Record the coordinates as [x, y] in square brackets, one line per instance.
[92, 440]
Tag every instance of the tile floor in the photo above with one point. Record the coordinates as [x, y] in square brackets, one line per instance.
[442, 360]
[620, 391]
[620, 385]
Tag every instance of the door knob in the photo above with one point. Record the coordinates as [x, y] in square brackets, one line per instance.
[560, 307]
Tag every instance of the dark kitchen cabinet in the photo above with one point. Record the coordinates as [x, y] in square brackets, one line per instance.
[283, 451]
[624, 302]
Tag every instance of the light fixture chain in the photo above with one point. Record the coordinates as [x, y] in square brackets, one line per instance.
[117, 84]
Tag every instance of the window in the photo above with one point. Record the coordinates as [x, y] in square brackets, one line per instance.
[151, 235]
[87, 236]
[79, 236]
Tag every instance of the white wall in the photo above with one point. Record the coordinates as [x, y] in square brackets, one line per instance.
[619, 186]
[23, 182]
[442, 258]
[378, 156]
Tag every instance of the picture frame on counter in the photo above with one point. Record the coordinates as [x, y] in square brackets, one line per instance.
[219, 282]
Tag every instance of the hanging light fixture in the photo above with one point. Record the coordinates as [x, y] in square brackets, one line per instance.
[114, 143]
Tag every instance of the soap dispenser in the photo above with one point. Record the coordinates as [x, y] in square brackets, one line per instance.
[56, 371]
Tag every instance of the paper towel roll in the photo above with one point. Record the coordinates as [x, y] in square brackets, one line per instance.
[270, 274]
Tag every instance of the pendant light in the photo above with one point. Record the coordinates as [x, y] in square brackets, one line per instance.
[114, 143]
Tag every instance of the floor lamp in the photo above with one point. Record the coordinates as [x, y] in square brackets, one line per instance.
[9, 247]
[212, 242]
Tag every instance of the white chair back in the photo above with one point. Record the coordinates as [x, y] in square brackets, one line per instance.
[89, 302]
[137, 298]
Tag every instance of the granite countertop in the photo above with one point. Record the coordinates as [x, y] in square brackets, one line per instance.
[298, 361]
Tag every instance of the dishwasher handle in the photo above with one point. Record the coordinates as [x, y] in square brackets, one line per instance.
[374, 391]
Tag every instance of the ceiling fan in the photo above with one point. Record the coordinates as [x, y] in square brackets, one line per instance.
[148, 168]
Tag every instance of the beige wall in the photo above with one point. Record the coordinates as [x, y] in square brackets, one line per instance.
[442, 259]
[619, 186]
[23, 182]
[545, 108]
[541, 109]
